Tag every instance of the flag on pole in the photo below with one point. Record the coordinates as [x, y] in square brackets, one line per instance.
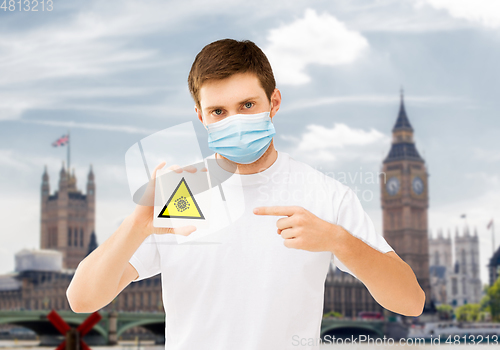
[63, 140]
[462, 216]
[490, 224]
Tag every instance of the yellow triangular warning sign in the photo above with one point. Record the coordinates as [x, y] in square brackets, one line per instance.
[181, 204]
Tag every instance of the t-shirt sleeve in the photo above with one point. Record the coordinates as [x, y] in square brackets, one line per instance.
[146, 259]
[353, 218]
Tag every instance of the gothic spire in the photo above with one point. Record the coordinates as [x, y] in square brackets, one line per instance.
[45, 176]
[403, 146]
[402, 122]
[62, 174]
[90, 176]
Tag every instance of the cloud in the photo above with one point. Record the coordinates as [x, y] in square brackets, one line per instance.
[320, 143]
[13, 160]
[370, 99]
[96, 50]
[484, 178]
[8, 160]
[411, 16]
[486, 155]
[484, 12]
[101, 39]
[81, 50]
[94, 126]
[123, 100]
[313, 39]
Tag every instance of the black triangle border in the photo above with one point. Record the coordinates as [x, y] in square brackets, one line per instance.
[160, 216]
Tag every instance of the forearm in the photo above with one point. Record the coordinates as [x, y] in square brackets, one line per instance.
[390, 281]
[96, 279]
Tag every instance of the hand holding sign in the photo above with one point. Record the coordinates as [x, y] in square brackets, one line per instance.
[143, 214]
[301, 229]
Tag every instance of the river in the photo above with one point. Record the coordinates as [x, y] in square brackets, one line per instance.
[32, 345]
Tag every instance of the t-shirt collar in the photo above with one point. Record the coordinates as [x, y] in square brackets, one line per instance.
[259, 178]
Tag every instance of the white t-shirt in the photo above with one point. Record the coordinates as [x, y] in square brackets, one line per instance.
[251, 292]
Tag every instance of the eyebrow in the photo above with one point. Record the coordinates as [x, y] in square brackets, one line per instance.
[243, 101]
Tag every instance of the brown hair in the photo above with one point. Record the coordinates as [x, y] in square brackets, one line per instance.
[225, 57]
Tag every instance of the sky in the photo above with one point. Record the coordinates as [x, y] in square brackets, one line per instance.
[115, 72]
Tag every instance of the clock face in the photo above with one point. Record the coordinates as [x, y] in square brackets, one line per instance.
[392, 186]
[417, 185]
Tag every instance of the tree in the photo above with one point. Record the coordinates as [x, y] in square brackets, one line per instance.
[468, 312]
[493, 294]
[445, 312]
[333, 314]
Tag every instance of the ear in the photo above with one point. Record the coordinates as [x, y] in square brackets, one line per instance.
[275, 102]
[198, 112]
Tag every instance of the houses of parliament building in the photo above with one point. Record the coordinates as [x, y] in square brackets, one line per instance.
[67, 235]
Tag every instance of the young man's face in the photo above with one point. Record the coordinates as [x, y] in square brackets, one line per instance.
[241, 93]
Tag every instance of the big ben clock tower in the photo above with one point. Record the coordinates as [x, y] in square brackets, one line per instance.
[405, 199]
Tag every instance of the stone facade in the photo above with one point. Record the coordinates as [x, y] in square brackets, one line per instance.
[67, 217]
[455, 280]
[347, 295]
[44, 290]
[440, 265]
[405, 200]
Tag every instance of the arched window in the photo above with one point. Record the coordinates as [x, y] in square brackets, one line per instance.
[81, 237]
[76, 236]
[69, 236]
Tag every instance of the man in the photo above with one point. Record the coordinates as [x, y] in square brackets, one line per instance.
[262, 288]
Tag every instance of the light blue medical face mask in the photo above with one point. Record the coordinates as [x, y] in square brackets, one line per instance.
[241, 138]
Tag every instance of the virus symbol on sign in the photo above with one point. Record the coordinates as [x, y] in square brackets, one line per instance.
[181, 204]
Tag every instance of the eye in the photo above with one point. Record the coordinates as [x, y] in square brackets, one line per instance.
[248, 104]
[217, 111]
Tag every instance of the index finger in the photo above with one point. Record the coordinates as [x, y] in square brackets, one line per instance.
[158, 167]
[287, 210]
